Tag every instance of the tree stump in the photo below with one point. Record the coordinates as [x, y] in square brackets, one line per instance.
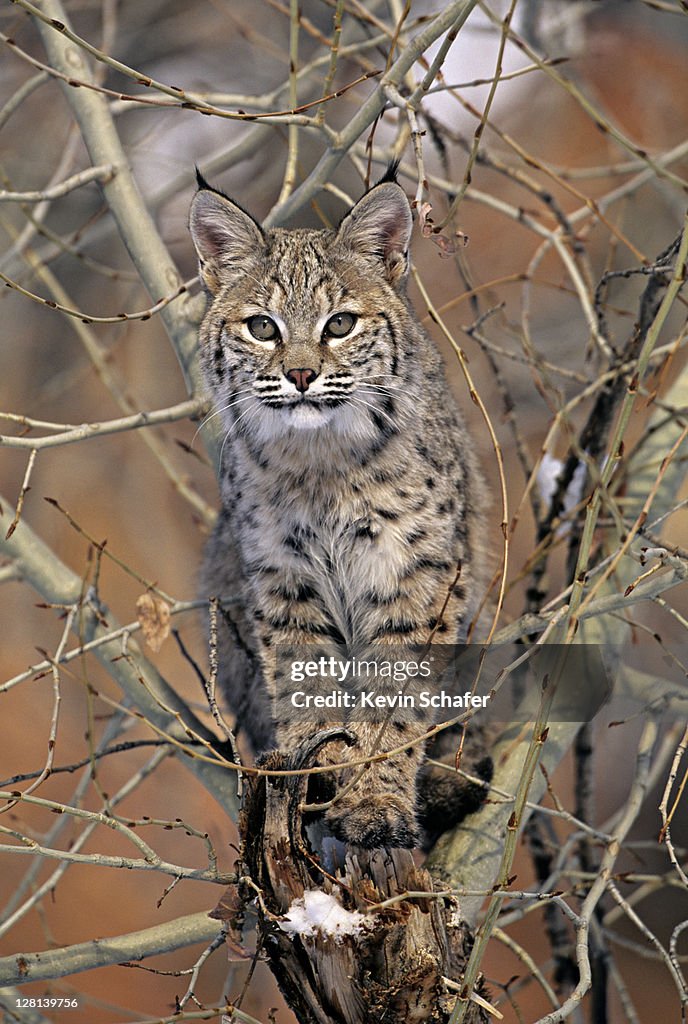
[349, 960]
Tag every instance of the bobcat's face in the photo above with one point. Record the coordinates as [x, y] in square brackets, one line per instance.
[296, 345]
[302, 327]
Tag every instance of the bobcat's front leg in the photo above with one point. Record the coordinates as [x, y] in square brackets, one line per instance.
[373, 803]
[376, 804]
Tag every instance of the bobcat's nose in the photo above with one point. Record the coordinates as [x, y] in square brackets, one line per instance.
[302, 377]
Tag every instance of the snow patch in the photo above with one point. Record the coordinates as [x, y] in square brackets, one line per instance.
[547, 479]
[319, 912]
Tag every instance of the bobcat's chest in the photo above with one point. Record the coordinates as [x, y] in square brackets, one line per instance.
[339, 547]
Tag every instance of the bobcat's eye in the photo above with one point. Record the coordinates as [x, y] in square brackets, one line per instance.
[263, 328]
[339, 325]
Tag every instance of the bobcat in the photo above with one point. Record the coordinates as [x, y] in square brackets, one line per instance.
[351, 492]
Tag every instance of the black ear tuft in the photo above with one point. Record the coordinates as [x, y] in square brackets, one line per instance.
[205, 186]
[391, 172]
[200, 180]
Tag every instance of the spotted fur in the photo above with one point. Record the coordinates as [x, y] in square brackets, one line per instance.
[350, 488]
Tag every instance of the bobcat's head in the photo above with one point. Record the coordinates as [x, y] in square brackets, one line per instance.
[304, 327]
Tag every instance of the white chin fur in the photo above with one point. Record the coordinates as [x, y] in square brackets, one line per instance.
[306, 417]
[346, 423]
[277, 424]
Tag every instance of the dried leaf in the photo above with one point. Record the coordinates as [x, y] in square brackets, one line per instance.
[230, 909]
[153, 614]
[424, 220]
[445, 245]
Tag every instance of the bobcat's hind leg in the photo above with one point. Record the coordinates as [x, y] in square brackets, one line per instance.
[445, 796]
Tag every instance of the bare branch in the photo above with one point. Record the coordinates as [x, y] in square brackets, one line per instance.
[85, 956]
[55, 191]
[156, 701]
[67, 434]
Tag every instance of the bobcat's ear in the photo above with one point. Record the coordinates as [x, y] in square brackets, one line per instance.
[379, 226]
[224, 235]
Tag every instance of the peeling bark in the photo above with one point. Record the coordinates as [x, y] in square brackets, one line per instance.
[393, 969]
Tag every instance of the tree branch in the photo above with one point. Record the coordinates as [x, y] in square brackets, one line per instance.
[451, 18]
[22, 968]
[136, 227]
[470, 855]
[155, 699]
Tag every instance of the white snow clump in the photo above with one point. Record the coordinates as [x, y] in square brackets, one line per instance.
[319, 912]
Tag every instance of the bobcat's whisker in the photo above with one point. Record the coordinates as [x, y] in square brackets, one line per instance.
[403, 400]
[357, 400]
[218, 412]
[232, 428]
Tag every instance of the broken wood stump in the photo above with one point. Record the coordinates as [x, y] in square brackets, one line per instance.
[368, 940]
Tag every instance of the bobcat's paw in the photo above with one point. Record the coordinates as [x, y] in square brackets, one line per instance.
[446, 798]
[376, 821]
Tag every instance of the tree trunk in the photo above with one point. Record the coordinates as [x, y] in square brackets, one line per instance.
[391, 966]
